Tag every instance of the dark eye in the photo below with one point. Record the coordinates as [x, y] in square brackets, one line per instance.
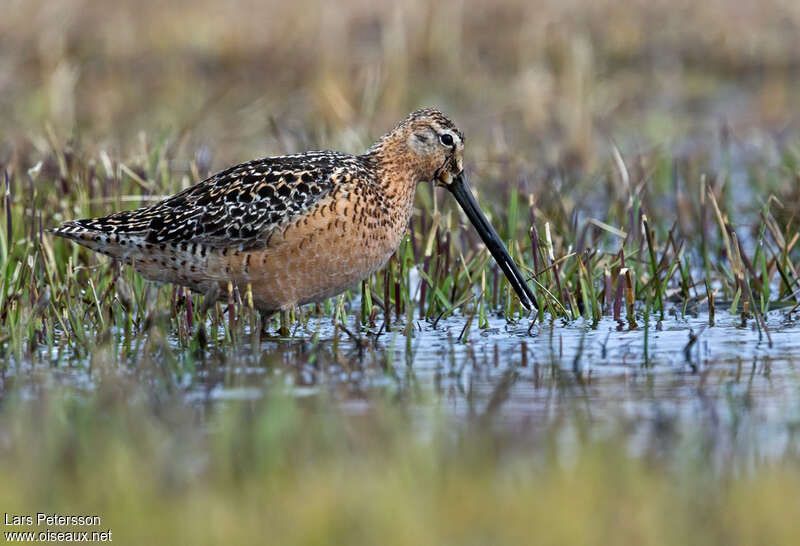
[446, 139]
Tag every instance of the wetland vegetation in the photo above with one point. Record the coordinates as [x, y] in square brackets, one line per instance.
[642, 163]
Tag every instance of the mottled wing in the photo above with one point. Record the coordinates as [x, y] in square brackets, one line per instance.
[239, 206]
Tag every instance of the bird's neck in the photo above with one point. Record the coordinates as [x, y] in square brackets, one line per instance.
[398, 172]
[398, 169]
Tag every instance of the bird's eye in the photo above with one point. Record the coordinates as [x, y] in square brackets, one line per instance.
[446, 139]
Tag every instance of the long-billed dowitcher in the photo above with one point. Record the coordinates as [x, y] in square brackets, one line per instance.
[297, 228]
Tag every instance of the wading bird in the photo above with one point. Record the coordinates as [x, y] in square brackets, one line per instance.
[298, 228]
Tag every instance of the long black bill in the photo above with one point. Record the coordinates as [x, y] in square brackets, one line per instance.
[463, 195]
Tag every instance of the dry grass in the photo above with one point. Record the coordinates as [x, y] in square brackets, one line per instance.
[550, 78]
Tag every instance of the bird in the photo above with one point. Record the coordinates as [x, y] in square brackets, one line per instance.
[295, 229]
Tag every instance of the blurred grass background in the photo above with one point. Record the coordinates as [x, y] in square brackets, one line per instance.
[547, 79]
[538, 87]
[283, 471]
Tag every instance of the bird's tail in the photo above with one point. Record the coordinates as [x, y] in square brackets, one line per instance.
[96, 234]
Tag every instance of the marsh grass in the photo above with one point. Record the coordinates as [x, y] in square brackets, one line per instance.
[640, 160]
[58, 297]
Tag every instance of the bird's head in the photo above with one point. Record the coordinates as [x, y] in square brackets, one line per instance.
[426, 145]
[437, 143]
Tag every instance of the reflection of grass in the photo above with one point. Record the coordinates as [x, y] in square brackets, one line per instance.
[285, 473]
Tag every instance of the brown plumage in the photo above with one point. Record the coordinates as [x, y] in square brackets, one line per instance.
[297, 229]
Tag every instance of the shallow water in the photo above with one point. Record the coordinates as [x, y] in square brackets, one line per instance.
[730, 387]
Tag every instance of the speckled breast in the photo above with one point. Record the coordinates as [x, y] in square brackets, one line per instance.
[328, 250]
